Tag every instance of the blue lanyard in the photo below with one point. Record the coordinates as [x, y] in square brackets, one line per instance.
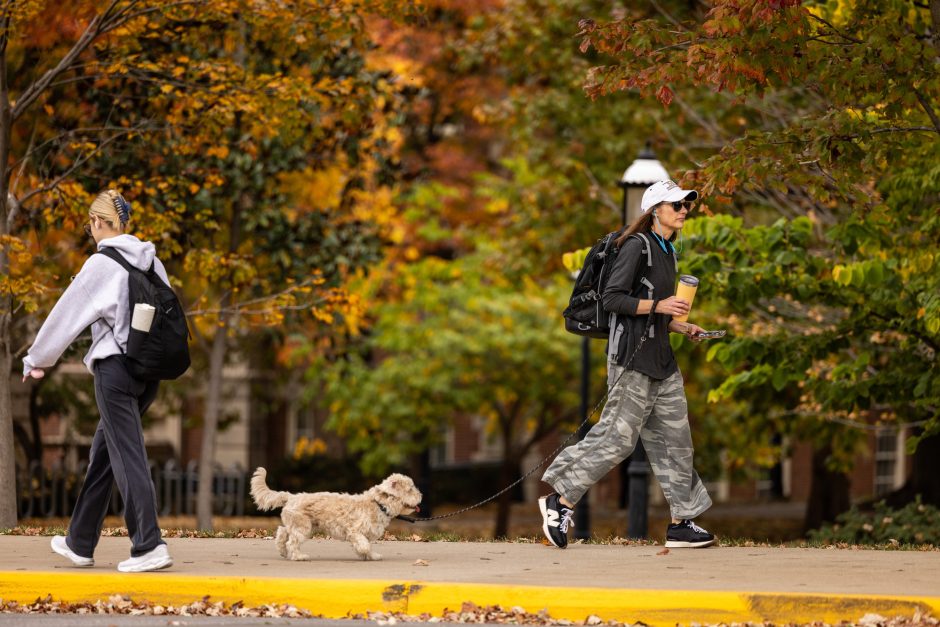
[662, 242]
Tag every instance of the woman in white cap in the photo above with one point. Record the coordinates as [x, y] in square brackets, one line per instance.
[646, 398]
[98, 297]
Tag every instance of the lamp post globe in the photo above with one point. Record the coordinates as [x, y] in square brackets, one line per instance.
[643, 172]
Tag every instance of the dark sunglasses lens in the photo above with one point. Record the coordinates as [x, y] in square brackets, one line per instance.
[679, 205]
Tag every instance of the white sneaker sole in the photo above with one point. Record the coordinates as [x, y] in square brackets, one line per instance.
[145, 567]
[678, 544]
[542, 508]
[77, 560]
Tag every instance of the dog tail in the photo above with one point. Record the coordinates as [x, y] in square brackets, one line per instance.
[264, 497]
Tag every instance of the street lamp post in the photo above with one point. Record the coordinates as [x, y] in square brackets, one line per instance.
[643, 172]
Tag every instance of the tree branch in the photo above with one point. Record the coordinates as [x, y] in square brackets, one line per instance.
[76, 165]
[92, 31]
[95, 131]
[927, 108]
[601, 190]
[243, 308]
[667, 15]
[836, 30]
[24, 161]
[110, 19]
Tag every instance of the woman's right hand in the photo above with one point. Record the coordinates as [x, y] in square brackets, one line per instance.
[673, 306]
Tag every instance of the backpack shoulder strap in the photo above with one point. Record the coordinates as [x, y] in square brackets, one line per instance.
[116, 256]
[109, 252]
[649, 264]
[646, 247]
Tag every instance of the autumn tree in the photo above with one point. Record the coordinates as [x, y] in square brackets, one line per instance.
[40, 51]
[249, 138]
[462, 340]
[282, 160]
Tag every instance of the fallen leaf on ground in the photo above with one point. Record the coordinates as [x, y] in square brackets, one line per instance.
[663, 552]
[420, 563]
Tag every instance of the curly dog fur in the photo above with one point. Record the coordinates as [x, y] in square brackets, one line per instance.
[358, 518]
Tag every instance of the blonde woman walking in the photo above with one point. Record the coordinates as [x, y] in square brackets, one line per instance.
[98, 297]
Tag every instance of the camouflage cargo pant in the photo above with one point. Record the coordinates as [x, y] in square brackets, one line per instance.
[657, 411]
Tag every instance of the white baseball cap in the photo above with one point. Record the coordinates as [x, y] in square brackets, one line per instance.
[665, 191]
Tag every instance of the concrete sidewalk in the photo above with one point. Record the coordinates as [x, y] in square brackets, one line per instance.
[627, 583]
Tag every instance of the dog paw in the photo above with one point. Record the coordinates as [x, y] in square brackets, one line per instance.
[300, 557]
[375, 557]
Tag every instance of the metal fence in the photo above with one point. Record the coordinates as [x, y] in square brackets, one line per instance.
[46, 493]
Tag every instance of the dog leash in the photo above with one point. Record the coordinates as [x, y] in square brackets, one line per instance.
[649, 323]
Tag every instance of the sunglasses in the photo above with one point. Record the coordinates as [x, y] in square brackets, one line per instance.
[679, 205]
[87, 229]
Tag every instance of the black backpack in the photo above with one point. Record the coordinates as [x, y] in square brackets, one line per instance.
[585, 314]
[163, 353]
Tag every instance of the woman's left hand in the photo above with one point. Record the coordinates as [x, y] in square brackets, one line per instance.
[692, 330]
[36, 373]
[688, 329]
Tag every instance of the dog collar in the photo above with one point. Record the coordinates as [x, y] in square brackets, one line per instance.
[382, 507]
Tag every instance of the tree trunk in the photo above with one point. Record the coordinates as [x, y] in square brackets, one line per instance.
[210, 427]
[7, 449]
[507, 474]
[829, 492]
[935, 18]
[7, 465]
[421, 466]
[925, 476]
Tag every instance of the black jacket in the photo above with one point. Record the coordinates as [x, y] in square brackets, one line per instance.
[625, 289]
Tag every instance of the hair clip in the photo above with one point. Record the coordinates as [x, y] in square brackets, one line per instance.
[123, 208]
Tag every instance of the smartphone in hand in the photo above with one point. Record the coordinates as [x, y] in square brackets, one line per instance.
[709, 335]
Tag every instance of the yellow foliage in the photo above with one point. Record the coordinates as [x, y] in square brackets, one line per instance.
[322, 315]
[498, 205]
[218, 151]
[306, 447]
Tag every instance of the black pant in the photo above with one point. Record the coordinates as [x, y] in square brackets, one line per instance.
[117, 454]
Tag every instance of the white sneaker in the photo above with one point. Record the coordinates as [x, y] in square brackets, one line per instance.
[59, 546]
[154, 560]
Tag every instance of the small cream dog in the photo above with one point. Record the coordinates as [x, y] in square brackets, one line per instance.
[358, 518]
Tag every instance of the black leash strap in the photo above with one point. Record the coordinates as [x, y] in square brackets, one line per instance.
[646, 331]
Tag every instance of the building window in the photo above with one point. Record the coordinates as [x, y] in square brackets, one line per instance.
[306, 422]
[888, 444]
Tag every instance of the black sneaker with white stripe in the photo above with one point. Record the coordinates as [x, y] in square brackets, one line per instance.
[556, 518]
[686, 534]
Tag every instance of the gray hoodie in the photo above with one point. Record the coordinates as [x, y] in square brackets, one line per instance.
[97, 296]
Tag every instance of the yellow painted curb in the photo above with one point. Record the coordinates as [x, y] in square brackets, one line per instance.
[340, 598]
